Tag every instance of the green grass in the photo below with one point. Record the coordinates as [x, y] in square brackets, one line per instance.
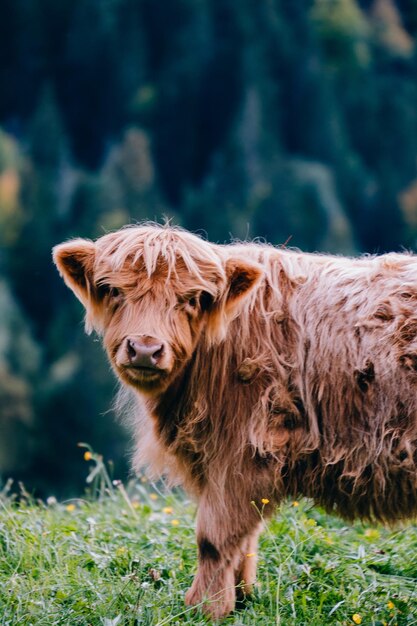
[128, 559]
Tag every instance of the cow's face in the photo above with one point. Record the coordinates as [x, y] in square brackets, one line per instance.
[152, 314]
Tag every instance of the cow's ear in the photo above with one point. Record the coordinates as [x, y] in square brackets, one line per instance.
[75, 262]
[242, 277]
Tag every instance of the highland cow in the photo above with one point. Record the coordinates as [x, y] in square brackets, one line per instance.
[259, 372]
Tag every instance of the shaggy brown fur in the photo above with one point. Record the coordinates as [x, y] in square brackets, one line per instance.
[258, 373]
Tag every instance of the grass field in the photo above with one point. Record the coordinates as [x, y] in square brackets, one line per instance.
[127, 557]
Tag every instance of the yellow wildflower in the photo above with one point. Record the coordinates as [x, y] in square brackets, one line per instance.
[295, 503]
[153, 496]
[168, 510]
[265, 501]
[251, 554]
[88, 456]
[70, 507]
[357, 618]
[390, 605]
[175, 522]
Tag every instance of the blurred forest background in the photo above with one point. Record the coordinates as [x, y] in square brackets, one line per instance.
[292, 120]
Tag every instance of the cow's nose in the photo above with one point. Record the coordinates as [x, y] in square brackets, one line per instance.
[141, 353]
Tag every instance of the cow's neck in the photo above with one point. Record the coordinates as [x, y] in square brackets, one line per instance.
[168, 408]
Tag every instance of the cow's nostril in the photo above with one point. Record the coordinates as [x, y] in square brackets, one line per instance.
[131, 352]
[158, 353]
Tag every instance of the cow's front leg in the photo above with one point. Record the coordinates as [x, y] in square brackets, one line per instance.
[245, 574]
[223, 530]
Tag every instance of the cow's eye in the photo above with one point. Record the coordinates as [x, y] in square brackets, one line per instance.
[192, 302]
[200, 301]
[113, 293]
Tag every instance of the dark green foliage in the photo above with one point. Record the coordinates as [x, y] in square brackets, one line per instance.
[293, 121]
